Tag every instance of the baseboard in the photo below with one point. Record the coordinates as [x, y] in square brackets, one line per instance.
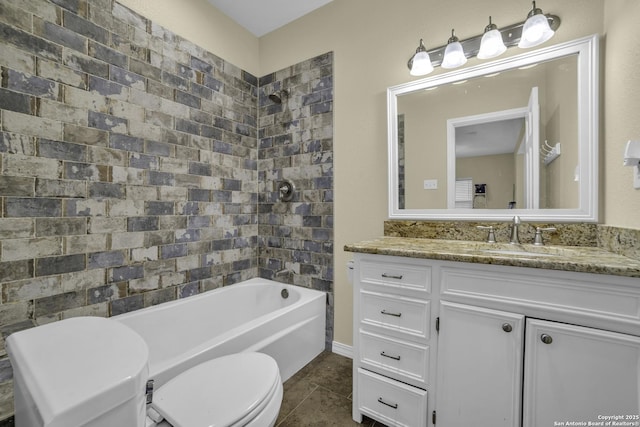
[342, 349]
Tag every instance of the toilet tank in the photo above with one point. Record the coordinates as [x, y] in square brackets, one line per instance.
[84, 371]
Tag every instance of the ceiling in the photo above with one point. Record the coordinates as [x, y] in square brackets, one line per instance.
[486, 139]
[263, 16]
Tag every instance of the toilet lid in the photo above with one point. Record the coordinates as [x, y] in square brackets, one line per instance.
[220, 392]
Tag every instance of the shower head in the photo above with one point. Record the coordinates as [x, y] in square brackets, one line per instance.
[278, 95]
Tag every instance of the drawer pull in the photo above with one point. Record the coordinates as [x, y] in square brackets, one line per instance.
[392, 276]
[390, 405]
[386, 313]
[389, 356]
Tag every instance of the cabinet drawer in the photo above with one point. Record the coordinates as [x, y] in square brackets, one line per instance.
[391, 402]
[396, 277]
[397, 359]
[399, 316]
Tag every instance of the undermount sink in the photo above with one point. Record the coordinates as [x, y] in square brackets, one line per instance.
[519, 253]
[527, 250]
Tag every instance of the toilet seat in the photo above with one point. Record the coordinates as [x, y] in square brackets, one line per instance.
[228, 391]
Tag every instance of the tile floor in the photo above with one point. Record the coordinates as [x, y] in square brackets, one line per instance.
[319, 395]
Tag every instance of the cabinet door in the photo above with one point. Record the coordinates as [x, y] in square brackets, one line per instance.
[479, 367]
[574, 373]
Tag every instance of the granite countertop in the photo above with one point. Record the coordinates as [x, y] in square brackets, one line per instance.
[566, 258]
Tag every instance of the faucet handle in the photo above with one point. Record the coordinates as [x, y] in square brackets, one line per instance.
[537, 241]
[491, 237]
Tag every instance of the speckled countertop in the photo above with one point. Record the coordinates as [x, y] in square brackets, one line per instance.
[565, 258]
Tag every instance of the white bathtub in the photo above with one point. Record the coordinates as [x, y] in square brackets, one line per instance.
[247, 316]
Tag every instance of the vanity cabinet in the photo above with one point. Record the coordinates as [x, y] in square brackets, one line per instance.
[578, 373]
[479, 366]
[444, 343]
[570, 372]
[393, 355]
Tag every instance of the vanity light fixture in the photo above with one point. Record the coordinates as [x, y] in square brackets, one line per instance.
[491, 44]
[420, 62]
[536, 29]
[455, 53]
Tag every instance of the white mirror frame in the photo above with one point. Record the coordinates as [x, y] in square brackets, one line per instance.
[588, 137]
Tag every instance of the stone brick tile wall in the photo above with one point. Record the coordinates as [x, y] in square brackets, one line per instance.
[128, 166]
[295, 142]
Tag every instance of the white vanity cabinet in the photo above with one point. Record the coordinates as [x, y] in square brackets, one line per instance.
[578, 373]
[570, 372]
[516, 346]
[393, 336]
[479, 366]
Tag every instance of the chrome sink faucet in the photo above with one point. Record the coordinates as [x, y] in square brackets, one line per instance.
[515, 238]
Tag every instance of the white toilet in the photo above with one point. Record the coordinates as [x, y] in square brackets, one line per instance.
[91, 371]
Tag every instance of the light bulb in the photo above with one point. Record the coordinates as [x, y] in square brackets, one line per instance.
[421, 64]
[536, 29]
[491, 44]
[454, 54]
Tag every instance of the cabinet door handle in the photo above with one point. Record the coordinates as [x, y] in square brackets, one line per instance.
[391, 405]
[387, 313]
[546, 339]
[392, 276]
[507, 327]
[389, 356]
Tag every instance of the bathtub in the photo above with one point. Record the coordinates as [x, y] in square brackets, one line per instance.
[247, 316]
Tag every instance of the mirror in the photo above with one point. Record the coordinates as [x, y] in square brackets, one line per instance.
[517, 136]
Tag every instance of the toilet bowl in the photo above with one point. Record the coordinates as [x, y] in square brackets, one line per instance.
[90, 371]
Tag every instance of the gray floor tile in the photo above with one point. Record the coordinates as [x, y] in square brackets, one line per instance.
[322, 408]
[319, 395]
[333, 373]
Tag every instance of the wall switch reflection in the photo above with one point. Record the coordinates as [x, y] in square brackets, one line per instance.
[430, 184]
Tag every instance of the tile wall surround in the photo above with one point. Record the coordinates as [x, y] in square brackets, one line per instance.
[621, 241]
[138, 168]
[295, 142]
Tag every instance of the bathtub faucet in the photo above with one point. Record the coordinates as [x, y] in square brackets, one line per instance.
[288, 273]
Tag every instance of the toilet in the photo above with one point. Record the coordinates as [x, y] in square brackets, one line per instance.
[92, 371]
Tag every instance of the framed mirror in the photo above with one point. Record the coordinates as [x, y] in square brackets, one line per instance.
[517, 136]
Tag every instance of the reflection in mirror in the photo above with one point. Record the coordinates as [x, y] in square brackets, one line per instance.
[488, 154]
[504, 154]
[516, 137]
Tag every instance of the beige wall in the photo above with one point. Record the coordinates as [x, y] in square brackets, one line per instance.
[562, 190]
[203, 24]
[621, 111]
[425, 150]
[497, 171]
[372, 41]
